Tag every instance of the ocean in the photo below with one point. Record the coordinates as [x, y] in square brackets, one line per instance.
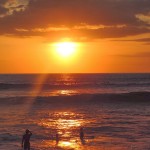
[113, 109]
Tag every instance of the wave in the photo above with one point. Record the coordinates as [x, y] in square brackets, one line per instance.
[8, 137]
[6, 86]
[133, 97]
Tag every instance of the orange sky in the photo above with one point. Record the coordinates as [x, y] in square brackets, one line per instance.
[113, 42]
[33, 55]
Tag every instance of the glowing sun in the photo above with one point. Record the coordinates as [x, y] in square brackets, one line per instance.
[66, 49]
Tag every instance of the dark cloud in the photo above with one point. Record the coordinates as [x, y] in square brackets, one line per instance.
[114, 32]
[45, 13]
[143, 40]
[3, 10]
[3, 2]
[82, 34]
[140, 40]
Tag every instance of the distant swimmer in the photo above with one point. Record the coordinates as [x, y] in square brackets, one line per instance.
[81, 135]
[57, 138]
[26, 140]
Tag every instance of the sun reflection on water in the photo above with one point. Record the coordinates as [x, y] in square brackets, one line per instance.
[69, 144]
[62, 120]
[63, 145]
[66, 92]
[67, 125]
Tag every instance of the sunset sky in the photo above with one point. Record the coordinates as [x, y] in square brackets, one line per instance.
[109, 36]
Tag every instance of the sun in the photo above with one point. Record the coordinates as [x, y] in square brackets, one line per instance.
[66, 49]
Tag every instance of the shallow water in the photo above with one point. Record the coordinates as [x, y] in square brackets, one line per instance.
[107, 124]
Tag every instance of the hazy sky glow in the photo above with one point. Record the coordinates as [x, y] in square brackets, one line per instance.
[112, 35]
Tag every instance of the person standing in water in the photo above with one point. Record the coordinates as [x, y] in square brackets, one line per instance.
[26, 140]
[57, 138]
[81, 134]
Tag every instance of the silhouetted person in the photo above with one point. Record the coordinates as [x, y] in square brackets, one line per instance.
[57, 138]
[81, 134]
[26, 140]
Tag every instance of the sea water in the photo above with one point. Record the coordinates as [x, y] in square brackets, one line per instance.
[113, 109]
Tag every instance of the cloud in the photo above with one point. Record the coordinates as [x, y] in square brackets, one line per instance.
[46, 14]
[3, 10]
[11, 6]
[3, 2]
[145, 18]
[143, 40]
